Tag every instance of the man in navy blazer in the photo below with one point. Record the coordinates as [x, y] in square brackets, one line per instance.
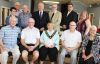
[41, 17]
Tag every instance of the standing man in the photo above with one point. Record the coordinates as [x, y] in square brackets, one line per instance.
[41, 17]
[55, 17]
[24, 16]
[12, 13]
[70, 40]
[71, 15]
[8, 41]
[17, 6]
[30, 40]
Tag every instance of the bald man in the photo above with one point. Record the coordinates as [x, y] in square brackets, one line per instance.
[18, 10]
[30, 40]
[41, 17]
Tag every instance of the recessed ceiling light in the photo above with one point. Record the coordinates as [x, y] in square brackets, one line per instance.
[52, 2]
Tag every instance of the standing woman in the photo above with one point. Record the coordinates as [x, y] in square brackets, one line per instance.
[49, 44]
[84, 23]
[91, 47]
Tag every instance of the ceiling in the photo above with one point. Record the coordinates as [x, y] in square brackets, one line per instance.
[87, 2]
[90, 1]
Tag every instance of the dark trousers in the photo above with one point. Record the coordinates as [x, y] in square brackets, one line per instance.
[88, 61]
[51, 52]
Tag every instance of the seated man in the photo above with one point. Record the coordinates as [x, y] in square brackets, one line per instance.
[49, 44]
[8, 41]
[70, 40]
[30, 40]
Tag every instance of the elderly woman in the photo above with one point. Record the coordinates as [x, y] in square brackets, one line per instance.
[91, 47]
[49, 44]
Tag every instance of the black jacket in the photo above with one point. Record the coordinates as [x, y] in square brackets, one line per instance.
[73, 16]
[41, 22]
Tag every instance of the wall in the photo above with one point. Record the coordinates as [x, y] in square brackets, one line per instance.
[6, 4]
[96, 11]
[79, 6]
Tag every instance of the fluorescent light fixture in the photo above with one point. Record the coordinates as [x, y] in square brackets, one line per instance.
[52, 2]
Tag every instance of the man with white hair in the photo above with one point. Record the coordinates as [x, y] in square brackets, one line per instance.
[30, 40]
[8, 41]
[41, 17]
[17, 6]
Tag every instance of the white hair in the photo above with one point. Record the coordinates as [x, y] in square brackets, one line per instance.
[93, 27]
[31, 20]
[15, 19]
[17, 3]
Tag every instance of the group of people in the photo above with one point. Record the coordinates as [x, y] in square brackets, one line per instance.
[38, 35]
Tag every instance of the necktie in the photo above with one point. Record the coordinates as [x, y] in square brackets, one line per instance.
[40, 14]
[52, 16]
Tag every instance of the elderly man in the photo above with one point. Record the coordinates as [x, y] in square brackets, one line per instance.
[55, 17]
[70, 40]
[41, 17]
[17, 6]
[8, 41]
[30, 40]
[24, 16]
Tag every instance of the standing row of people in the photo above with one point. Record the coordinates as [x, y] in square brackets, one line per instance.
[42, 17]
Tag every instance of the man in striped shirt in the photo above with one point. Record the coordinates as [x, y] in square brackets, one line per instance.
[8, 41]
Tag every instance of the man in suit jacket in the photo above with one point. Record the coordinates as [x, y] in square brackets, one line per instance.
[55, 17]
[41, 17]
[69, 16]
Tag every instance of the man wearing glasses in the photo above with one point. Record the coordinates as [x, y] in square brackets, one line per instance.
[70, 40]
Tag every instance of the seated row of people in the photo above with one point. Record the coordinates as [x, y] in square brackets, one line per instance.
[47, 43]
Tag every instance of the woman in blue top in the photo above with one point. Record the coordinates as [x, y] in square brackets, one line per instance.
[49, 44]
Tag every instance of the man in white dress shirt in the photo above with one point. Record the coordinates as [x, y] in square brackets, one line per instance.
[30, 40]
[70, 40]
